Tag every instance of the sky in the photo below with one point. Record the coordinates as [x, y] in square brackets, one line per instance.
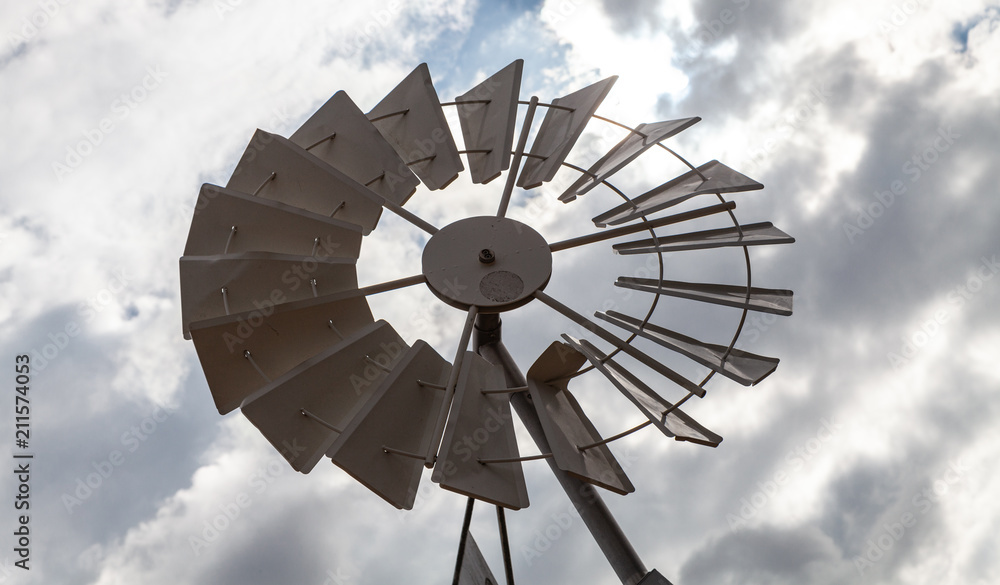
[867, 457]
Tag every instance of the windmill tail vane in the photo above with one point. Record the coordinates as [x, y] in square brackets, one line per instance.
[284, 331]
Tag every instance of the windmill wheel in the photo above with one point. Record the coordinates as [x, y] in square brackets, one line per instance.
[283, 330]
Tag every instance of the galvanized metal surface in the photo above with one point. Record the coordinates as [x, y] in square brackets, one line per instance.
[765, 300]
[299, 360]
[340, 135]
[711, 177]
[411, 120]
[654, 578]
[488, 117]
[621, 344]
[229, 222]
[459, 273]
[474, 569]
[637, 142]
[251, 278]
[640, 227]
[585, 498]
[383, 444]
[565, 424]
[742, 366]
[560, 129]
[481, 427]
[675, 424]
[753, 234]
[277, 337]
[274, 168]
[295, 411]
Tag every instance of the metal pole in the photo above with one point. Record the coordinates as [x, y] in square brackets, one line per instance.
[522, 140]
[462, 541]
[508, 567]
[587, 501]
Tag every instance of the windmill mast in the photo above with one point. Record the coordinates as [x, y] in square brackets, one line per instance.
[585, 498]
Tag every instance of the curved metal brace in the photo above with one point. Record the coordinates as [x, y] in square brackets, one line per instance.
[652, 308]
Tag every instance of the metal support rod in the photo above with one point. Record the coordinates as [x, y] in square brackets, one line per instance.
[420, 160]
[620, 435]
[320, 421]
[381, 287]
[431, 385]
[383, 117]
[640, 227]
[375, 363]
[515, 164]
[232, 232]
[505, 390]
[410, 217]
[508, 568]
[321, 141]
[461, 542]
[449, 393]
[663, 416]
[550, 106]
[400, 452]
[514, 459]
[264, 182]
[587, 501]
[249, 357]
[631, 350]
[463, 102]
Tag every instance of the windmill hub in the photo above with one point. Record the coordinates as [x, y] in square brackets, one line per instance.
[494, 263]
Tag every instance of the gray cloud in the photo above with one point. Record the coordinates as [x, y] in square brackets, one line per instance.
[765, 555]
[633, 15]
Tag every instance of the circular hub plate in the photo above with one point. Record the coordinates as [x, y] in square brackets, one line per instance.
[494, 263]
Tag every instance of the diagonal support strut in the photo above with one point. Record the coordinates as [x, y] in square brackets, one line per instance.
[587, 501]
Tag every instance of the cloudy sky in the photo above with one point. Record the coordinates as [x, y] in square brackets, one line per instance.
[868, 457]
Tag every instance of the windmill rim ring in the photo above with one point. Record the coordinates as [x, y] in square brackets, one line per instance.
[659, 253]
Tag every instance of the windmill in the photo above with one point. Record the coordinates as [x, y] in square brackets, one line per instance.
[284, 331]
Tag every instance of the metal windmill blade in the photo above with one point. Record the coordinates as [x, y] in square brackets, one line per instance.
[488, 113]
[311, 405]
[561, 128]
[667, 417]
[383, 446]
[479, 456]
[567, 427]
[645, 137]
[304, 181]
[711, 177]
[412, 120]
[340, 134]
[284, 332]
[744, 367]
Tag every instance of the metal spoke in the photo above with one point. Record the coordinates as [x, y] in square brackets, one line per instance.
[619, 343]
[409, 216]
[515, 164]
[461, 541]
[639, 227]
[377, 288]
[449, 393]
[616, 437]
